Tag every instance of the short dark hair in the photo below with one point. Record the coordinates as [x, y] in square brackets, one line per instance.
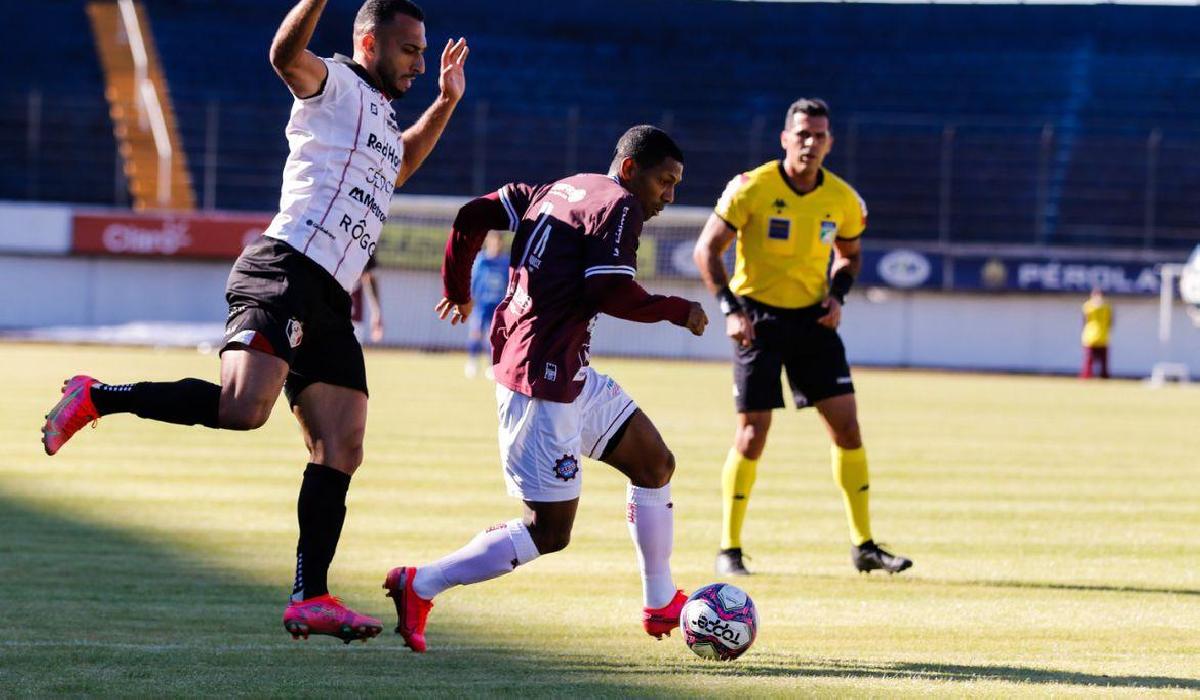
[812, 106]
[376, 12]
[647, 145]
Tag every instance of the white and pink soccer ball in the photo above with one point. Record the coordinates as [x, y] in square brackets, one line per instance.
[719, 622]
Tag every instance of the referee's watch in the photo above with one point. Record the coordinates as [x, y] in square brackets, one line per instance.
[728, 301]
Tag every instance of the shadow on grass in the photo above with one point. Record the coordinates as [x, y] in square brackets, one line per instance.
[96, 610]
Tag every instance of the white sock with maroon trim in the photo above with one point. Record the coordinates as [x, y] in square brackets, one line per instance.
[490, 554]
[651, 517]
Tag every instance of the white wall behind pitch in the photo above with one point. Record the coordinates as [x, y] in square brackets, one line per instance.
[1017, 332]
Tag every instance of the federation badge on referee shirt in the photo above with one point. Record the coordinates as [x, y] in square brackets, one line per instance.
[828, 231]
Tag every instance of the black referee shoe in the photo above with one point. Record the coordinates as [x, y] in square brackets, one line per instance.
[868, 557]
[729, 561]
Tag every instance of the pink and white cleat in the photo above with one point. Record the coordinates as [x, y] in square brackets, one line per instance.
[73, 411]
[325, 614]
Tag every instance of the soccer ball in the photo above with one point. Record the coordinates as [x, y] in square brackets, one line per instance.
[719, 622]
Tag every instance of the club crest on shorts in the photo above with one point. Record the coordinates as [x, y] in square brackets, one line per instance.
[295, 332]
[566, 468]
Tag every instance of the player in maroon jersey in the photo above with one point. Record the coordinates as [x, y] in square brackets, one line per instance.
[573, 257]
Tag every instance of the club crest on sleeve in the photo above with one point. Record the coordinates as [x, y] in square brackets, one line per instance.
[566, 468]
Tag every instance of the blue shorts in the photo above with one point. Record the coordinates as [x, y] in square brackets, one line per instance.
[481, 319]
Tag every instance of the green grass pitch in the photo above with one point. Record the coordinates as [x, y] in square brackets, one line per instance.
[1053, 524]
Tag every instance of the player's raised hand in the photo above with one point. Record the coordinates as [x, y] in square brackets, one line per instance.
[457, 313]
[453, 79]
[739, 328]
[697, 320]
[834, 316]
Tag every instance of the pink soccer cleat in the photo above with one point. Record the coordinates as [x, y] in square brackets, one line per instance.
[325, 614]
[412, 611]
[659, 622]
[73, 411]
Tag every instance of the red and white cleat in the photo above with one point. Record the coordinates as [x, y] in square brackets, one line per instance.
[659, 622]
[326, 614]
[412, 611]
[73, 411]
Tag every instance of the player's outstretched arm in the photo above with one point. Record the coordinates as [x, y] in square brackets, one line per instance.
[621, 297]
[421, 137]
[714, 239]
[300, 69]
[472, 224]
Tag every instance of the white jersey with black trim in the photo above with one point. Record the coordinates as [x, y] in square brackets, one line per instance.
[345, 150]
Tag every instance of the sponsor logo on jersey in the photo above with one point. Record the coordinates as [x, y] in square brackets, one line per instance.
[620, 232]
[358, 231]
[319, 227]
[779, 204]
[392, 122]
[295, 332]
[360, 195]
[551, 372]
[568, 192]
[828, 231]
[779, 229]
[566, 468]
[520, 299]
[384, 148]
[379, 180]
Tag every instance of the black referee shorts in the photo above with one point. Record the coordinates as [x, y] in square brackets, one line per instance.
[790, 339]
[283, 303]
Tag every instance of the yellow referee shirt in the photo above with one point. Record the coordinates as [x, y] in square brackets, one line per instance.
[1097, 322]
[784, 238]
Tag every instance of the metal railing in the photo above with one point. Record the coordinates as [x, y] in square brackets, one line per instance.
[962, 181]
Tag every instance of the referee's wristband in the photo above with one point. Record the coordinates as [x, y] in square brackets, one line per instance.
[728, 301]
[840, 285]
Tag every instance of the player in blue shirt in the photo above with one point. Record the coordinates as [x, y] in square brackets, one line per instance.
[489, 282]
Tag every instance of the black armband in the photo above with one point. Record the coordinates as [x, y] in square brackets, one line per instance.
[841, 283]
[728, 300]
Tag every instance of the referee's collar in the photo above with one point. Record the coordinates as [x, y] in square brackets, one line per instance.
[792, 186]
[359, 71]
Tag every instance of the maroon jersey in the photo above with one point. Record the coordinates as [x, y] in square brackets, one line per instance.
[573, 256]
[565, 232]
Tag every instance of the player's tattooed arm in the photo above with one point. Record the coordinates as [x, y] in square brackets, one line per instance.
[421, 137]
[300, 69]
[714, 239]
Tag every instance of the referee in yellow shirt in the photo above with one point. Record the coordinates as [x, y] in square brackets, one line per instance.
[782, 309]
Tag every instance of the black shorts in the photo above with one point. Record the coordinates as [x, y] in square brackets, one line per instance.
[283, 303]
[790, 339]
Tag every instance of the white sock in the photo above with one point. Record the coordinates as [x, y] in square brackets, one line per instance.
[652, 527]
[492, 553]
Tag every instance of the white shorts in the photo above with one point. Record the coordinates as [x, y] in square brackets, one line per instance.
[541, 442]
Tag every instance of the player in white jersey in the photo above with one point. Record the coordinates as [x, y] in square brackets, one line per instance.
[289, 326]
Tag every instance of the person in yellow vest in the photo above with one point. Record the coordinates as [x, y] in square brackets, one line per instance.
[782, 308]
[1097, 323]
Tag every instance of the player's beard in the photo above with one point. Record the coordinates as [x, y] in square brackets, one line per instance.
[391, 82]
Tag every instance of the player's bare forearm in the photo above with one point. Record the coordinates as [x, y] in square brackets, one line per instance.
[715, 237]
[299, 68]
[421, 137]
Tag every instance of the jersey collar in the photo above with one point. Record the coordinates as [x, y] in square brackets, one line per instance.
[788, 181]
[359, 71]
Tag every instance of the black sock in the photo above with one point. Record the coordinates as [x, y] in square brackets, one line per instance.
[321, 509]
[185, 402]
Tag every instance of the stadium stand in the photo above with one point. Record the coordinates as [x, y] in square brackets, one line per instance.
[974, 123]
